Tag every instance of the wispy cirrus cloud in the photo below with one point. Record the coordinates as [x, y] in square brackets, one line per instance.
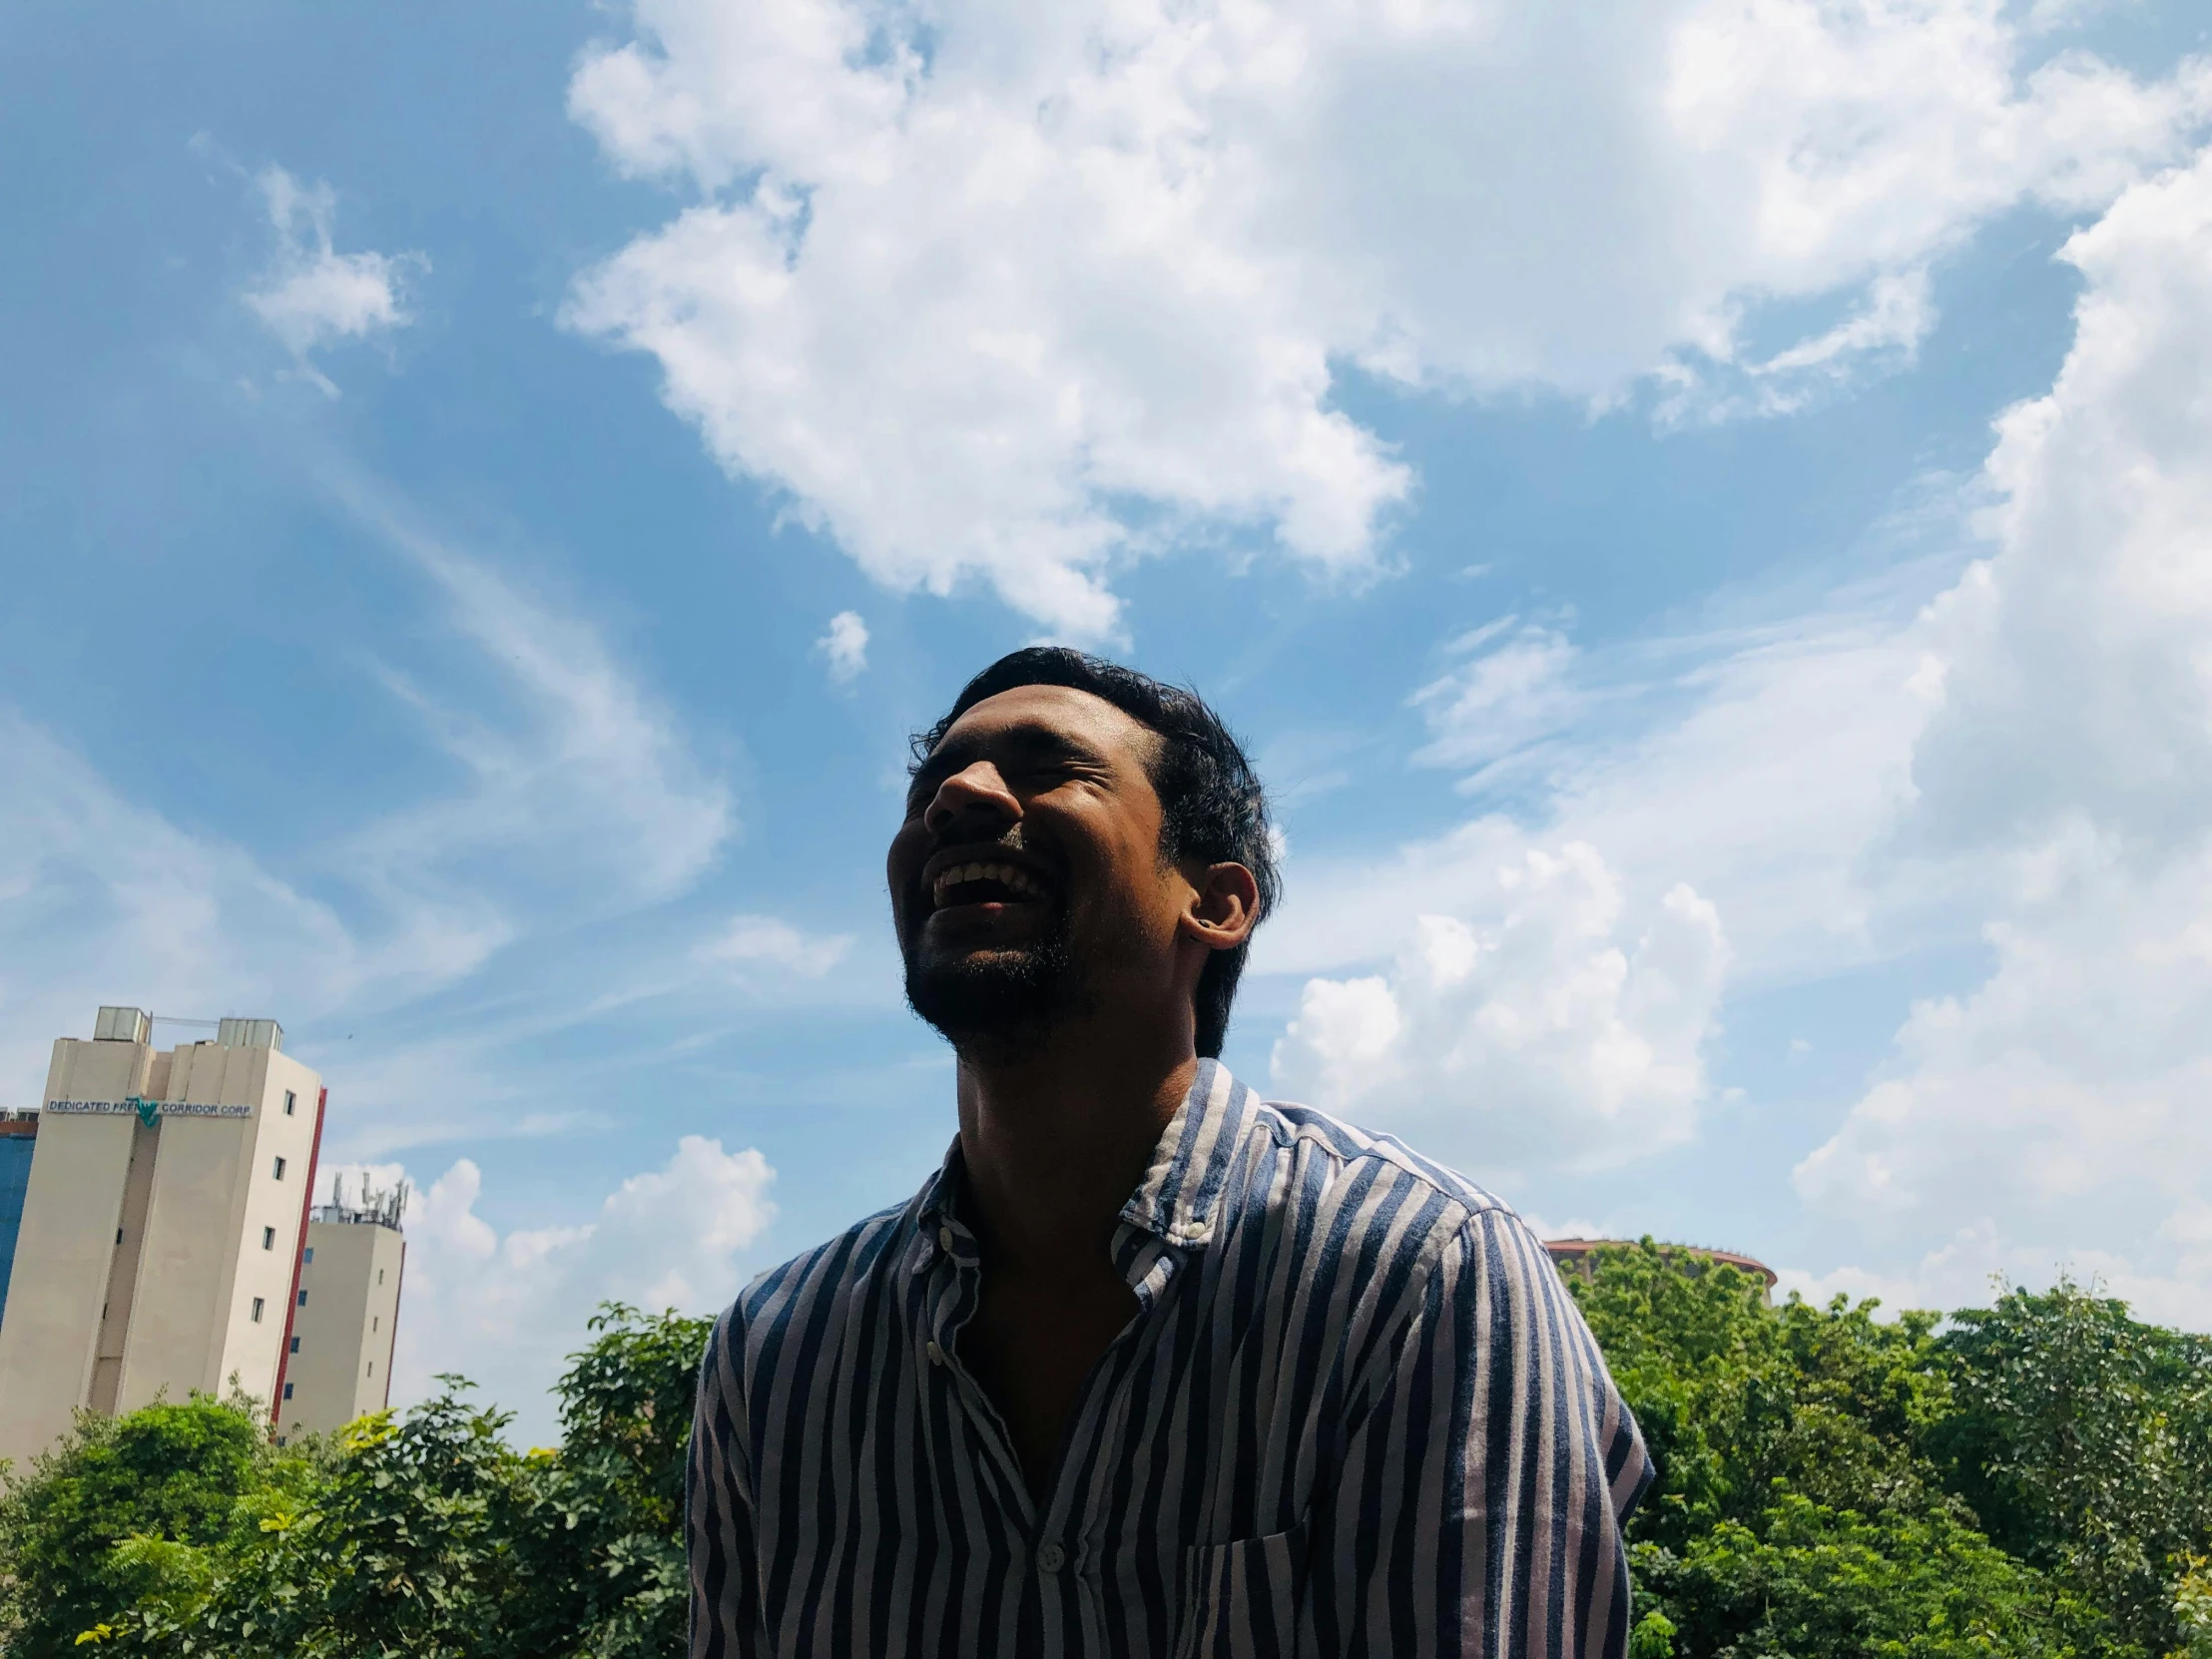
[563, 793]
[104, 899]
[771, 945]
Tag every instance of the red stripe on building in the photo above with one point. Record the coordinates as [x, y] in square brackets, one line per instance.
[399, 1290]
[299, 1260]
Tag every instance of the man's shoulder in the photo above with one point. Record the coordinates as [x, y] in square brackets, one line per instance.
[836, 1268]
[1390, 1159]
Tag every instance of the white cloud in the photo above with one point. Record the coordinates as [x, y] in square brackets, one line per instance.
[503, 1309]
[312, 295]
[1969, 1268]
[846, 647]
[1012, 295]
[2027, 759]
[1757, 764]
[767, 943]
[1544, 1026]
[2071, 756]
[1885, 333]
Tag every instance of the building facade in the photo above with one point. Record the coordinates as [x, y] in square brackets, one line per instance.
[345, 1316]
[163, 1225]
[18, 1134]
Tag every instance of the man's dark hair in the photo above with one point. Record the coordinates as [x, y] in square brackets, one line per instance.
[1211, 804]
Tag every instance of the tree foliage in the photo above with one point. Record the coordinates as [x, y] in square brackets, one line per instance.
[2032, 1478]
[2083, 1440]
[179, 1531]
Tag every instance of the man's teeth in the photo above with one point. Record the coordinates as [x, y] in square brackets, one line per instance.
[1010, 876]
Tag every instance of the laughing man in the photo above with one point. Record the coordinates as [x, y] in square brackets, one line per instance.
[1151, 1366]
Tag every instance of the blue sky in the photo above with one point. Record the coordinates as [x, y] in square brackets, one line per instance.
[1699, 509]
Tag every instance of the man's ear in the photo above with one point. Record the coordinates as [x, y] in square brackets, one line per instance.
[1224, 906]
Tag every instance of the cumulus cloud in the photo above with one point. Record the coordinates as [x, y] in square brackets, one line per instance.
[2070, 755]
[1544, 1026]
[313, 295]
[846, 647]
[1756, 763]
[768, 943]
[1009, 298]
[2025, 757]
[503, 1309]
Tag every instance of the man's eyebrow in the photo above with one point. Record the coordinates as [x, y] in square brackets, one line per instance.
[1026, 741]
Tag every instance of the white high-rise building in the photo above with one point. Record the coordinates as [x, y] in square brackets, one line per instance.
[346, 1314]
[161, 1250]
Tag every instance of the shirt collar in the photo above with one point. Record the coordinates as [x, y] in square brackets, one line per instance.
[1181, 1198]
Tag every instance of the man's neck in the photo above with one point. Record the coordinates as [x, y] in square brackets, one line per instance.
[1056, 1138]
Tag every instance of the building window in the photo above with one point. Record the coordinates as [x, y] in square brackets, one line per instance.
[268, 1237]
[256, 1310]
[279, 1168]
[380, 1276]
[296, 1345]
[372, 1367]
[309, 1259]
[374, 1323]
[288, 1391]
[302, 1299]
[291, 1100]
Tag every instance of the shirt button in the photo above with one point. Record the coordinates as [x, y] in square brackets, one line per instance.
[936, 1354]
[1051, 1557]
[944, 1240]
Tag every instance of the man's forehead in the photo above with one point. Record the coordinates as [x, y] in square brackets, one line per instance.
[1064, 709]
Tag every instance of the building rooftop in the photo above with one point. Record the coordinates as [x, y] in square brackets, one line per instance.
[1572, 1252]
[372, 1207]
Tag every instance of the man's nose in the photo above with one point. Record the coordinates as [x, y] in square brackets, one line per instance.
[977, 794]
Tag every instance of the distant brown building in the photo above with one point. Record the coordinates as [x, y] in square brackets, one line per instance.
[1573, 1255]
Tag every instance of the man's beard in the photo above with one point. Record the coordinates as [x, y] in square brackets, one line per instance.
[998, 1002]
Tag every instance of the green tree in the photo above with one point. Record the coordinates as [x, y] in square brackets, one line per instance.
[167, 1472]
[2035, 1479]
[1798, 1509]
[180, 1531]
[1812, 1582]
[609, 1521]
[2082, 1439]
[406, 1548]
[1733, 1394]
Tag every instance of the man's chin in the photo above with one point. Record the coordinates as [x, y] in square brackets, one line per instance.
[990, 997]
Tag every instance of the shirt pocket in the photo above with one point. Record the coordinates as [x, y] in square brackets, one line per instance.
[1241, 1599]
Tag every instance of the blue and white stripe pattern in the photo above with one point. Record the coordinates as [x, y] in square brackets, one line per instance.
[1356, 1413]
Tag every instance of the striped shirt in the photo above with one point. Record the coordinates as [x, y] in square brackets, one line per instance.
[1356, 1413]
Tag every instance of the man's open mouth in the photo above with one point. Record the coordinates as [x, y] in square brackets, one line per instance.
[985, 881]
